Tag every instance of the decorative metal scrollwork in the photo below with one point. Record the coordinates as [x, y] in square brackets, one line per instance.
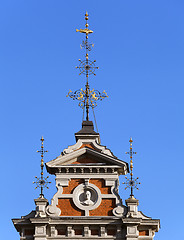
[42, 182]
[87, 67]
[85, 44]
[131, 183]
[87, 97]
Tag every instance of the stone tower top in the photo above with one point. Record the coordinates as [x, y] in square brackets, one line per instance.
[87, 132]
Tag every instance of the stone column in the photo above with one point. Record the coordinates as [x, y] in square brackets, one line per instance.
[70, 231]
[87, 232]
[53, 231]
[118, 232]
[102, 231]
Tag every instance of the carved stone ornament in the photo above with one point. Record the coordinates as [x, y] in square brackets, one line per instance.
[87, 197]
[53, 210]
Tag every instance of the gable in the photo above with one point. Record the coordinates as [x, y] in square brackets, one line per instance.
[88, 145]
[85, 160]
[85, 156]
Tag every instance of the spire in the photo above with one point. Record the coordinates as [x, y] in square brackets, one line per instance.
[87, 98]
[131, 182]
[41, 182]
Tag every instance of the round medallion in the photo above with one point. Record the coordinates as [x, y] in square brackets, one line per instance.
[87, 197]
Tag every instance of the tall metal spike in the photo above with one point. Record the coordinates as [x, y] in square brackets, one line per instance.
[87, 98]
[131, 182]
[41, 182]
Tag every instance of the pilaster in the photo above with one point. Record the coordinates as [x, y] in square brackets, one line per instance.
[102, 231]
[70, 231]
[53, 231]
[86, 231]
[40, 232]
[132, 233]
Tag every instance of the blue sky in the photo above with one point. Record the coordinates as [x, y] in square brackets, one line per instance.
[139, 50]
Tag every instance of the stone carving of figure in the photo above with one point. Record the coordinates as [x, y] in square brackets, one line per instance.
[88, 201]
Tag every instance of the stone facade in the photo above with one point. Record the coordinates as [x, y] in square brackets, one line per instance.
[87, 204]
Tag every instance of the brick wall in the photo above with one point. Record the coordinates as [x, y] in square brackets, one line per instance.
[105, 208]
[144, 233]
[94, 232]
[62, 231]
[68, 208]
[111, 232]
[73, 183]
[85, 160]
[100, 183]
[87, 145]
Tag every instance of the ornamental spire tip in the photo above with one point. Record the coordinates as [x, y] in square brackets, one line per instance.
[41, 182]
[131, 182]
[87, 98]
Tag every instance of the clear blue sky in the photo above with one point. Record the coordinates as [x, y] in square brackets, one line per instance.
[139, 47]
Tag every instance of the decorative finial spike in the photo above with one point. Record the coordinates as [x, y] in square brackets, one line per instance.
[87, 98]
[41, 182]
[131, 182]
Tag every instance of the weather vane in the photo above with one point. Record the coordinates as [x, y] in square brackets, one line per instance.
[87, 98]
[131, 182]
[42, 181]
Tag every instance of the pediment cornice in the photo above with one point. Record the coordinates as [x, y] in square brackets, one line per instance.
[92, 142]
[69, 158]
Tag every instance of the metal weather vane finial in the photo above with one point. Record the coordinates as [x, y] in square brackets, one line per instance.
[42, 181]
[87, 98]
[131, 182]
[87, 66]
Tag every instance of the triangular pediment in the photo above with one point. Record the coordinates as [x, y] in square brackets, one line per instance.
[85, 156]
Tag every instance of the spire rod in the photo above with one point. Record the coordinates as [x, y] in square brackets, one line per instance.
[86, 69]
[42, 182]
[87, 98]
[131, 182]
